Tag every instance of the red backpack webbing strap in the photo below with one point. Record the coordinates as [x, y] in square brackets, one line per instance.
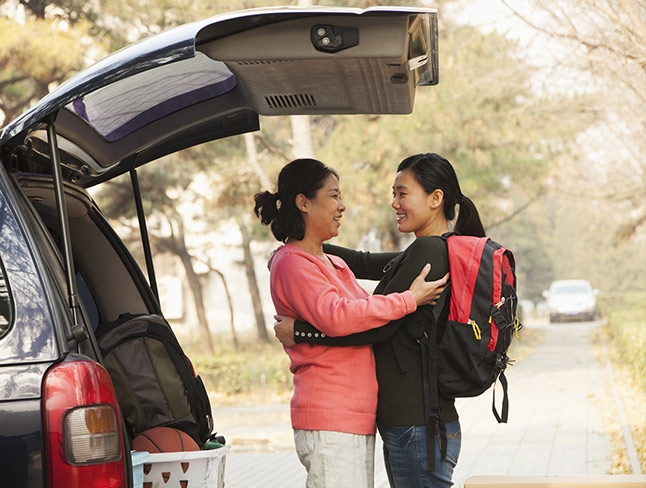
[498, 255]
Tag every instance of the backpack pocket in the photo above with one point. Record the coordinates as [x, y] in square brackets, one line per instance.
[466, 365]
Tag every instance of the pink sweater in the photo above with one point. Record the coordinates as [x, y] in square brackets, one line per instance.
[335, 388]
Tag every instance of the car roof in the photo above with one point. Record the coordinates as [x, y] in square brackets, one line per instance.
[213, 78]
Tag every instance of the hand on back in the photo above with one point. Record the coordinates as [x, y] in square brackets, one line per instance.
[427, 292]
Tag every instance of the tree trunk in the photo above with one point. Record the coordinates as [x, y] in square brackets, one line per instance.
[234, 337]
[254, 290]
[252, 157]
[195, 286]
[302, 136]
[198, 298]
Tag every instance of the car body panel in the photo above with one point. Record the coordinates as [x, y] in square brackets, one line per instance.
[21, 381]
[21, 444]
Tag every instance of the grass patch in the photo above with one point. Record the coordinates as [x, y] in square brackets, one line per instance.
[258, 372]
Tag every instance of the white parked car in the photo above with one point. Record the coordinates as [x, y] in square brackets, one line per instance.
[571, 300]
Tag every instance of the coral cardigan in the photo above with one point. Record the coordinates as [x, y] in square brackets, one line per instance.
[335, 388]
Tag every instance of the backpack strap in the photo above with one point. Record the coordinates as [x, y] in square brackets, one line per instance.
[503, 315]
[503, 416]
[430, 355]
[434, 423]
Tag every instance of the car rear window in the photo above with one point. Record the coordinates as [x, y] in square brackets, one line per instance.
[144, 99]
[572, 288]
[25, 313]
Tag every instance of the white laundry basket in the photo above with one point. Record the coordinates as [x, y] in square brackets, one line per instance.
[189, 469]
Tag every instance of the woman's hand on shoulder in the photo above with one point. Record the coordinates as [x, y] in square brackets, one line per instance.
[428, 292]
[284, 330]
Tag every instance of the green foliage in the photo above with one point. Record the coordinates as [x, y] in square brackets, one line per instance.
[532, 246]
[581, 226]
[502, 136]
[33, 56]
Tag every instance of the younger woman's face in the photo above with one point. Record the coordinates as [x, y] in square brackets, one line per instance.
[414, 208]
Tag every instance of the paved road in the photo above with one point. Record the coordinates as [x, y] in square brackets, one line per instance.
[559, 412]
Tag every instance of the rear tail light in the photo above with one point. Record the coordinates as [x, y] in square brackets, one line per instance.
[84, 441]
[91, 435]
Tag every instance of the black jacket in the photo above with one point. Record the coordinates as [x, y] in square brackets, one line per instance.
[397, 353]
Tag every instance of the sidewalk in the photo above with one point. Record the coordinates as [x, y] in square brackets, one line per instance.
[556, 424]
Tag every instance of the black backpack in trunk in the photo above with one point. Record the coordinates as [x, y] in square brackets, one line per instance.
[153, 378]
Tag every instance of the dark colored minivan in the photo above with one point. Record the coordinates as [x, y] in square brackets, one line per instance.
[64, 270]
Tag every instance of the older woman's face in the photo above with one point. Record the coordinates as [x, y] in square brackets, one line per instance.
[324, 212]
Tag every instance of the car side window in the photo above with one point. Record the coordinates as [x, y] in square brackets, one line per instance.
[6, 304]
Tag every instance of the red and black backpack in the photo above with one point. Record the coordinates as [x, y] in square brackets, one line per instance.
[464, 348]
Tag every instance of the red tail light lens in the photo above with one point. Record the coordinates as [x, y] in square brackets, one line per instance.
[84, 442]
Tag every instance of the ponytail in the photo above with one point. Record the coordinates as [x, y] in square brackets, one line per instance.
[269, 213]
[469, 223]
[266, 208]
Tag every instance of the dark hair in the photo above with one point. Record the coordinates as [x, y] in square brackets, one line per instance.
[279, 209]
[434, 172]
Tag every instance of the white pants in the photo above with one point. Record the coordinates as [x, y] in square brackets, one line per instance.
[336, 459]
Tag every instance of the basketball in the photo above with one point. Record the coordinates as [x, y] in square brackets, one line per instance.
[164, 439]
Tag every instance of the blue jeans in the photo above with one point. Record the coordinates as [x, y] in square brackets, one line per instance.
[406, 460]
